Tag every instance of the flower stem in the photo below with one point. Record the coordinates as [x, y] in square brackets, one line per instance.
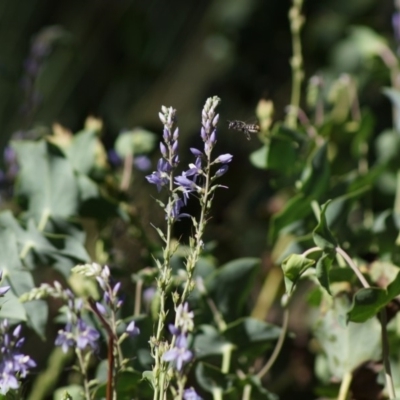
[345, 386]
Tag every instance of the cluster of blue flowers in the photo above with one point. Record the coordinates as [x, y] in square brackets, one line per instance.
[77, 333]
[14, 365]
[197, 178]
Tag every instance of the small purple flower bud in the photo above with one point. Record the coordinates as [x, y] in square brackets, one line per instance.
[4, 290]
[196, 152]
[224, 158]
[213, 137]
[163, 149]
[116, 288]
[162, 117]
[17, 331]
[215, 120]
[100, 308]
[166, 135]
[190, 394]
[101, 282]
[174, 330]
[208, 126]
[175, 147]
[176, 134]
[203, 134]
[221, 171]
[132, 330]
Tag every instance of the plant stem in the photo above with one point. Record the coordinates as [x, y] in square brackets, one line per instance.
[353, 266]
[296, 62]
[345, 386]
[246, 392]
[385, 355]
[278, 346]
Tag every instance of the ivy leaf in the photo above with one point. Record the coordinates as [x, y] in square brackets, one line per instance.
[368, 302]
[322, 236]
[322, 270]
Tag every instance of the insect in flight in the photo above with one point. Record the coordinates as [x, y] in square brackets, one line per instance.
[244, 127]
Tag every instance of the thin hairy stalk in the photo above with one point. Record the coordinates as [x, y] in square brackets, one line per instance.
[278, 346]
[199, 230]
[296, 62]
[138, 297]
[83, 370]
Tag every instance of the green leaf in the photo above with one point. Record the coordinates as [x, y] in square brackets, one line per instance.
[251, 336]
[46, 183]
[209, 342]
[210, 377]
[230, 286]
[346, 346]
[82, 151]
[136, 141]
[322, 270]
[128, 383]
[283, 152]
[74, 392]
[322, 236]
[293, 267]
[368, 302]
[315, 179]
[296, 209]
[259, 157]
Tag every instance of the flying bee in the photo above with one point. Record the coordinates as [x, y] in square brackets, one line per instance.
[244, 127]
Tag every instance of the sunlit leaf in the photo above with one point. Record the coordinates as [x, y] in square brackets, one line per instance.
[322, 236]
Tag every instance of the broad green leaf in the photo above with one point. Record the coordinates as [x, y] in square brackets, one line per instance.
[210, 377]
[136, 141]
[346, 346]
[259, 157]
[322, 270]
[251, 336]
[209, 342]
[230, 285]
[315, 179]
[296, 209]
[293, 267]
[284, 151]
[322, 236]
[368, 302]
[46, 184]
[82, 151]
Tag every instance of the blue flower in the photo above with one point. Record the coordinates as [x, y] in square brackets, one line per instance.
[179, 355]
[87, 336]
[161, 176]
[132, 330]
[190, 394]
